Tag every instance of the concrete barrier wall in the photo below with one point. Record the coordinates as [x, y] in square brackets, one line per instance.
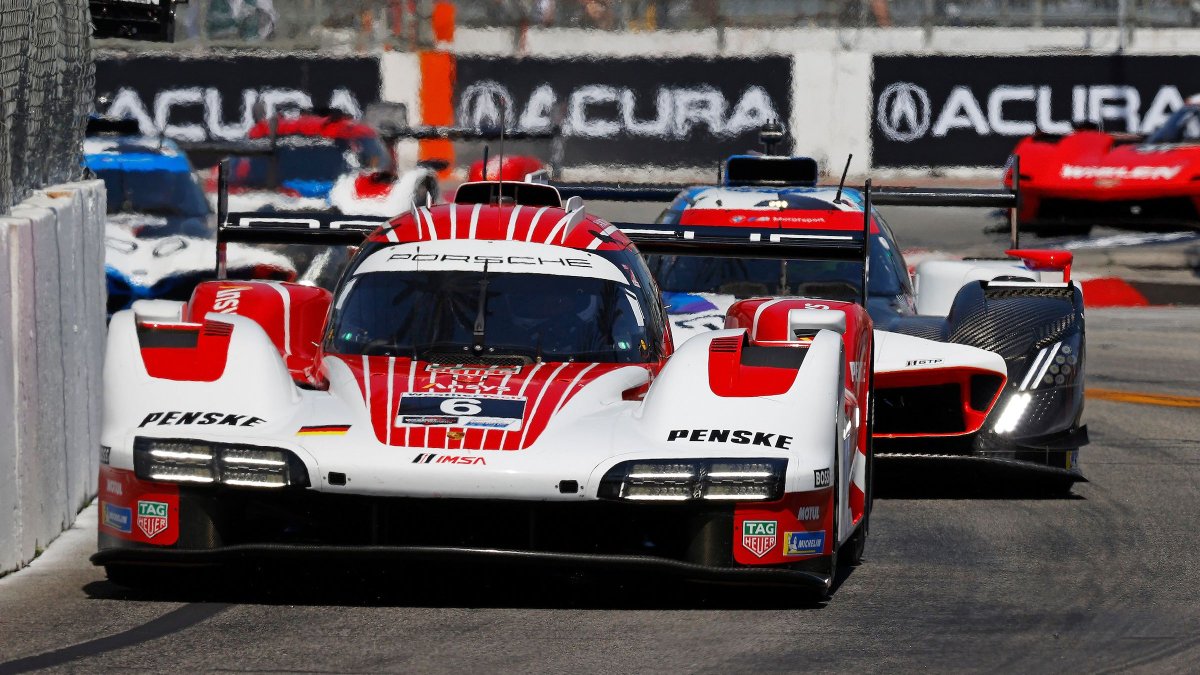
[52, 297]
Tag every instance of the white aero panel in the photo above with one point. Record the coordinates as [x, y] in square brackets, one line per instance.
[817, 319]
[938, 281]
[500, 256]
[896, 353]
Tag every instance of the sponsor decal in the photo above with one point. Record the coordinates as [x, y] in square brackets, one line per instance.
[808, 513]
[971, 111]
[455, 434]
[921, 362]
[498, 412]
[105, 453]
[176, 417]
[758, 536]
[216, 98]
[635, 110]
[821, 478]
[1071, 171]
[113, 487]
[803, 543]
[152, 518]
[428, 419]
[119, 518]
[466, 381]
[228, 298]
[325, 430]
[431, 458]
[735, 436]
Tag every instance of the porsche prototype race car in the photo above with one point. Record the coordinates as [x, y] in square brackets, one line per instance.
[492, 381]
[998, 374]
[159, 234]
[1090, 177]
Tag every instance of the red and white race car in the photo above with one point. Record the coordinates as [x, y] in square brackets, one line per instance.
[1090, 177]
[492, 381]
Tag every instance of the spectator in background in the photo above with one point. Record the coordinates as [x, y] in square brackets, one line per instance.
[882, 12]
[598, 14]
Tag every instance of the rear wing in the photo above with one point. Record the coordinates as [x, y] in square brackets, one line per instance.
[1000, 198]
[740, 242]
[284, 227]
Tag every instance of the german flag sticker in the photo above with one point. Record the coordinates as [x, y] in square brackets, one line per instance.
[326, 430]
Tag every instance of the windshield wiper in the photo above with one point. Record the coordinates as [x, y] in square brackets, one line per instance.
[478, 332]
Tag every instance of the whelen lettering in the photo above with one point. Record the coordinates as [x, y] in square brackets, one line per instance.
[175, 418]
[736, 436]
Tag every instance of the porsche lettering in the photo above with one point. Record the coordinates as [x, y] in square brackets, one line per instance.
[492, 259]
[735, 436]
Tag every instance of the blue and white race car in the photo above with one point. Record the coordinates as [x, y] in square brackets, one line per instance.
[159, 234]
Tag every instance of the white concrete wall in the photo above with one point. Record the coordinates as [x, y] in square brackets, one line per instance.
[52, 296]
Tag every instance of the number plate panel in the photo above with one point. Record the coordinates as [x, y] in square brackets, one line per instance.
[505, 413]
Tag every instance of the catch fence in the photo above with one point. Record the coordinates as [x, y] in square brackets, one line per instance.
[46, 83]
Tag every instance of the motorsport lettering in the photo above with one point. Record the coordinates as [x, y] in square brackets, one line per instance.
[175, 417]
[737, 436]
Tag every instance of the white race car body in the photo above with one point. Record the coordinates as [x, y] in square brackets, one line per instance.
[742, 455]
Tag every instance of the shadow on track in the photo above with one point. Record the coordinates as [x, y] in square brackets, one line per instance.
[450, 586]
[964, 478]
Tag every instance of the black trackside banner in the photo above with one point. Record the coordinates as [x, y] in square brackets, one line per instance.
[631, 111]
[214, 98]
[972, 110]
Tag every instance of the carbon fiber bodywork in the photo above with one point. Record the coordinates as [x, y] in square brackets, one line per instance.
[1027, 326]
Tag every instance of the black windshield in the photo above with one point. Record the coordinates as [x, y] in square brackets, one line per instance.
[1181, 127]
[302, 159]
[160, 193]
[539, 317]
[742, 277]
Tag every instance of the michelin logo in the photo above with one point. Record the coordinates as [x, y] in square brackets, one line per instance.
[804, 543]
[119, 518]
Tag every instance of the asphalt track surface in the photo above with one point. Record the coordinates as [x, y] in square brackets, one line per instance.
[964, 572]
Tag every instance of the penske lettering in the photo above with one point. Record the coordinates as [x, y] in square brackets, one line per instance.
[1070, 171]
[176, 417]
[735, 436]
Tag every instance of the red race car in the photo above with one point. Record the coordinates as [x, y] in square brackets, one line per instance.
[1090, 177]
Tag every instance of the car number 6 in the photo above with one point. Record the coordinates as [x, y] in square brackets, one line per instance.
[461, 406]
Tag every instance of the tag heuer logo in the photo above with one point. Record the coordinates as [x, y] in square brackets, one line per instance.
[758, 536]
[152, 518]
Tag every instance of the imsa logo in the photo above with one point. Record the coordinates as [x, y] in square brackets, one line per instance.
[758, 536]
[152, 518]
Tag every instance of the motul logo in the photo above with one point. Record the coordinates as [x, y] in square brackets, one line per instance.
[1070, 171]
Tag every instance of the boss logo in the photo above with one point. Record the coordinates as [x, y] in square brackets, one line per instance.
[821, 478]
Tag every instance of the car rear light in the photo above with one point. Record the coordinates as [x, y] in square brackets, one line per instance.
[193, 461]
[716, 479]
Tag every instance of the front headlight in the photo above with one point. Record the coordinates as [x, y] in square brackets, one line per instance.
[174, 460]
[712, 479]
